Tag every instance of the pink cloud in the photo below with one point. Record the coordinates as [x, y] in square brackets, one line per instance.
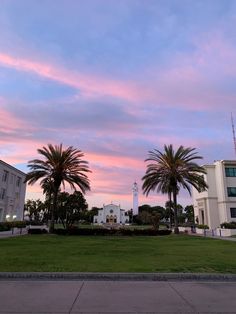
[117, 161]
[89, 85]
[8, 122]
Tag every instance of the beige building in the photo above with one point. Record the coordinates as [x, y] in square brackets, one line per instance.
[12, 192]
[218, 203]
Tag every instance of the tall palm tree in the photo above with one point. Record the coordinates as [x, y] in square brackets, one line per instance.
[58, 166]
[170, 171]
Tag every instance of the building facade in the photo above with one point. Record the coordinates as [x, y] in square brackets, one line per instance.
[218, 203]
[111, 214]
[12, 192]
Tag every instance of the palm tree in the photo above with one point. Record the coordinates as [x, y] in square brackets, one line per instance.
[170, 171]
[59, 166]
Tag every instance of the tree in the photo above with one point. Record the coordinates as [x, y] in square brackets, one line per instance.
[169, 212]
[170, 171]
[59, 166]
[189, 213]
[71, 208]
[33, 210]
[155, 220]
[144, 217]
[89, 214]
[144, 208]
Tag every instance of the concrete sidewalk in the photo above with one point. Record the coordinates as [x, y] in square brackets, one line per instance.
[116, 297]
[17, 232]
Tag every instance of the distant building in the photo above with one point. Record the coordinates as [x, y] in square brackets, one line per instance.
[218, 203]
[111, 214]
[135, 198]
[12, 192]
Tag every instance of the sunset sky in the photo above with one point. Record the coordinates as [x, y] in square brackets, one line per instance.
[116, 79]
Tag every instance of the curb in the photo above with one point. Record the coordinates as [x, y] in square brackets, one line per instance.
[118, 276]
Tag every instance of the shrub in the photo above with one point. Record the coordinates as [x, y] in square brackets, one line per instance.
[202, 227]
[112, 231]
[4, 226]
[18, 224]
[8, 225]
[229, 225]
[35, 223]
[37, 231]
[187, 224]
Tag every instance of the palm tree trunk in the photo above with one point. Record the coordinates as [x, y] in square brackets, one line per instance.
[176, 230]
[170, 210]
[54, 207]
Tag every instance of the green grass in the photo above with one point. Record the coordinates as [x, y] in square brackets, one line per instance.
[54, 253]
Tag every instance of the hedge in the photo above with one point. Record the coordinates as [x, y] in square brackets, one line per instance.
[4, 226]
[37, 231]
[107, 232]
[229, 225]
[202, 226]
[8, 225]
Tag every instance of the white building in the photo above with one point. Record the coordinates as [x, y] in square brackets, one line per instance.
[12, 192]
[111, 214]
[135, 198]
[218, 203]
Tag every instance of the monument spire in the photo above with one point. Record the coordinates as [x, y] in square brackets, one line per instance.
[135, 198]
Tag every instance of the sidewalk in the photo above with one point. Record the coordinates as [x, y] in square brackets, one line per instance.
[209, 235]
[116, 297]
[16, 232]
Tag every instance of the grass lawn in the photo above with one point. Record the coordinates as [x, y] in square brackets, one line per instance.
[172, 253]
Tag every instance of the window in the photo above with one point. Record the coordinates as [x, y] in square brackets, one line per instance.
[18, 181]
[5, 175]
[2, 194]
[230, 172]
[233, 212]
[231, 191]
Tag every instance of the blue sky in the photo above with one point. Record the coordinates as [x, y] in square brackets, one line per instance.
[117, 79]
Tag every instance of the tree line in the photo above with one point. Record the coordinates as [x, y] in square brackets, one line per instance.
[167, 172]
[73, 209]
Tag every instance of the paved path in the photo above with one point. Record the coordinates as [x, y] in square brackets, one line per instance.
[221, 238]
[9, 234]
[116, 297]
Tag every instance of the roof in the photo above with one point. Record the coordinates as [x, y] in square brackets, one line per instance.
[10, 166]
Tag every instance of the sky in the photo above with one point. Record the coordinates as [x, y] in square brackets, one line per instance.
[117, 79]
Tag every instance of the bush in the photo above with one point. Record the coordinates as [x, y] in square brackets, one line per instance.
[18, 224]
[4, 226]
[8, 225]
[108, 232]
[187, 224]
[202, 227]
[34, 223]
[37, 231]
[229, 225]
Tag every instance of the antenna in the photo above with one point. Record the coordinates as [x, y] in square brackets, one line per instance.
[233, 129]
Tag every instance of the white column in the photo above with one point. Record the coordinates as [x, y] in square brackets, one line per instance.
[135, 198]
